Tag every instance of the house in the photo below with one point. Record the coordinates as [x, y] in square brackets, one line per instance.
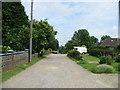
[110, 43]
[82, 50]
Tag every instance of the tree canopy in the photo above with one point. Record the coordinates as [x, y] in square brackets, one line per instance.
[14, 25]
[16, 30]
[104, 37]
[80, 38]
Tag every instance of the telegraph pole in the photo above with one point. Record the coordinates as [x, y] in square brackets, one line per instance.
[31, 26]
[119, 22]
[119, 19]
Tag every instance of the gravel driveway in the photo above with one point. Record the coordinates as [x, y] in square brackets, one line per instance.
[58, 71]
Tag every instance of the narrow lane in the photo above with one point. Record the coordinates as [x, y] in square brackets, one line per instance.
[58, 71]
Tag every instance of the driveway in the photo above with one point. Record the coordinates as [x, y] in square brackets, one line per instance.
[58, 71]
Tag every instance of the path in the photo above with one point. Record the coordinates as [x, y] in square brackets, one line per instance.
[58, 71]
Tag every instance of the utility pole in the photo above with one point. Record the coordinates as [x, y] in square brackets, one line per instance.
[31, 26]
[119, 19]
[119, 22]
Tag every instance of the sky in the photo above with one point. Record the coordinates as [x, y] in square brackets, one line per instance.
[99, 18]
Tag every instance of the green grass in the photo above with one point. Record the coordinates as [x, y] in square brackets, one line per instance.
[115, 66]
[91, 66]
[90, 58]
[13, 71]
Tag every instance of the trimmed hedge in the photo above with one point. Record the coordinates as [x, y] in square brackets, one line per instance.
[117, 58]
[100, 52]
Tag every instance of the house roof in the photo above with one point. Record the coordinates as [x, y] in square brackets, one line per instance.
[97, 44]
[111, 42]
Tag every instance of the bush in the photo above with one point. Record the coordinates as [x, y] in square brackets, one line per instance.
[105, 60]
[5, 49]
[104, 69]
[117, 58]
[49, 49]
[100, 51]
[118, 67]
[74, 54]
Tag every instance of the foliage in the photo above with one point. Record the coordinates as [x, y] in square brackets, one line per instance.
[49, 49]
[71, 43]
[5, 49]
[100, 51]
[93, 40]
[62, 50]
[81, 37]
[43, 36]
[104, 69]
[83, 46]
[118, 67]
[104, 59]
[117, 58]
[15, 28]
[104, 37]
[14, 25]
[74, 54]
[118, 48]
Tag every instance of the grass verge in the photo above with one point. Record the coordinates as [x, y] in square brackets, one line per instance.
[92, 66]
[13, 71]
[90, 58]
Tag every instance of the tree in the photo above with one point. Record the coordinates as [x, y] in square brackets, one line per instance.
[93, 40]
[62, 50]
[82, 36]
[104, 37]
[14, 25]
[43, 36]
[71, 43]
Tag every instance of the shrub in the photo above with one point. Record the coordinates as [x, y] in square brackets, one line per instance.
[117, 58]
[74, 54]
[99, 51]
[118, 67]
[104, 69]
[49, 49]
[105, 60]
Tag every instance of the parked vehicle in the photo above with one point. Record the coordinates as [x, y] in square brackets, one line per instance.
[55, 52]
[82, 50]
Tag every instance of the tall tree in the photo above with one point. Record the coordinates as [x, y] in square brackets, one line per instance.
[82, 36]
[43, 36]
[104, 37]
[71, 43]
[93, 40]
[14, 21]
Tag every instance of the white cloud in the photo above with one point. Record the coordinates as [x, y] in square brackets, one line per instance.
[98, 18]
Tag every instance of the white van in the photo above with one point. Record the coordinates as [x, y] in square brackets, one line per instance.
[82, 50]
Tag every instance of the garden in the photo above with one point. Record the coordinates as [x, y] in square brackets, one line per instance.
[100, 64]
